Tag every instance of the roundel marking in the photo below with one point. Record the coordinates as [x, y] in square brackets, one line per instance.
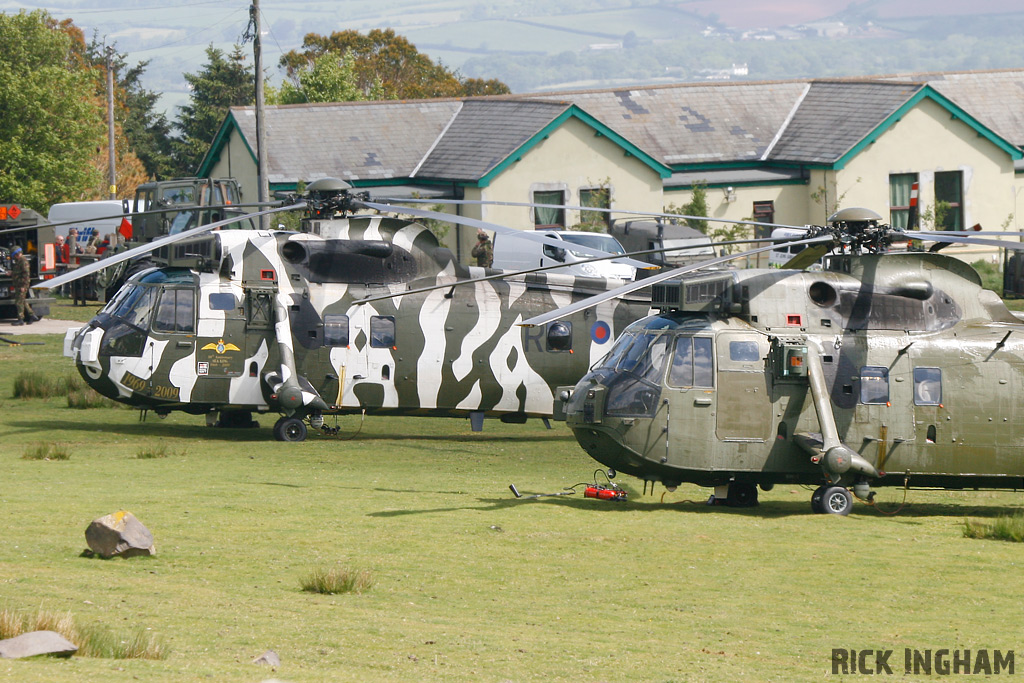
[600, 332]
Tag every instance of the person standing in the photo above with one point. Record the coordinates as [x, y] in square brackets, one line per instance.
[484, 250]
[21, 278]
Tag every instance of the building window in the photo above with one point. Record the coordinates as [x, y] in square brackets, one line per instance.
[949, 200]
[598, 198]
[764, 212]
[549, 216]
[900, 185]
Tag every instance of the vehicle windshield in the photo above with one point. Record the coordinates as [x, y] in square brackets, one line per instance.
[632, 373]
[593, 240]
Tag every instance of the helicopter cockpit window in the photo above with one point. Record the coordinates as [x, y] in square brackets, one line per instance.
[634, 388]
[335, 330]
[382, 331]
[874, 384]
[692, 364]
[927, 386]
[136, 308]
[176, 312]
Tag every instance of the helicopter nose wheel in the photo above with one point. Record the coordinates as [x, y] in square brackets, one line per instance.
[290, 429]
[832, 500]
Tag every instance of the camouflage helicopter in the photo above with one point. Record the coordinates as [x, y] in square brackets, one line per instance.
[884, 368]
[235, 322]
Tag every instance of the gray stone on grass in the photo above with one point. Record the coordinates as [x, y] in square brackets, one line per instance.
[119, 533]
[37, 643]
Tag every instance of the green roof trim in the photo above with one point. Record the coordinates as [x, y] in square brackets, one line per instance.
[928, 92]
[219, 141]
[572, 111]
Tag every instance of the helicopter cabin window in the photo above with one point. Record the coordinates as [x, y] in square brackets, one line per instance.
[176, 312]
[744, 351]
[598, 198]
[549, 216]
[382, 331]
[927, 386]
[335, 330]
[691, 363]
[874, 384]
[949, 200]
[900, 185]
[222, 301]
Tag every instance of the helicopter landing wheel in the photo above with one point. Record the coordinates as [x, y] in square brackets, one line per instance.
[816, 499]
[742, 495]
[290, 429]
[837, 500]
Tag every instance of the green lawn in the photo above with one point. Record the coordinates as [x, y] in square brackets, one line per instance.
[469, 583]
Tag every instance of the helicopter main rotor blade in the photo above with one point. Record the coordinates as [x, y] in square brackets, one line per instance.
[550, 316]
[513, 273]
[501, 230]
[807, 257]
[471, 202]
[173, 208]
[953, 239]
[149, 247]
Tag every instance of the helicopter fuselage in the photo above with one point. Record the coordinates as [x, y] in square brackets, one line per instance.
[895, 369]
[266, 321]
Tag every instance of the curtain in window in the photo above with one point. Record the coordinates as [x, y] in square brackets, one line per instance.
[543, 215]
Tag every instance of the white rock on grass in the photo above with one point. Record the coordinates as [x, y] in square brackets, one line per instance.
[37, 643]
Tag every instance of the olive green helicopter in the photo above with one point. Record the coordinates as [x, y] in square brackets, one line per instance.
[881, 367]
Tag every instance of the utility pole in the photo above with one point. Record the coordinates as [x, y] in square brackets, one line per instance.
[263, 184]
[111, 157]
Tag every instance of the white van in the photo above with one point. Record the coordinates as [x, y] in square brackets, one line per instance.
[781, 254]
[517, 253]
[100, 218]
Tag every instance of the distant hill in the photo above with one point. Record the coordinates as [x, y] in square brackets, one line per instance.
[534, 45]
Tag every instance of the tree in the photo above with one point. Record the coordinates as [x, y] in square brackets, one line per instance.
[223, 82]
[390, 60]
[50, 121]
[697, 206]
[328, 78]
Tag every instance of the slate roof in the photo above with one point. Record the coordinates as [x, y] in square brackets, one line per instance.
[351, 141]
[693, 123]
[836, 115]
[994, 98]
[483, 134]
[686, 126]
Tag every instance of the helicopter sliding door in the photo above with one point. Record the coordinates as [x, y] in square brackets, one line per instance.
[744, 402]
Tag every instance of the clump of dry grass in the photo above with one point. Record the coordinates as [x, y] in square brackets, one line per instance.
[1003, 528]
[337, 580]
[46, 451]
[92, 641]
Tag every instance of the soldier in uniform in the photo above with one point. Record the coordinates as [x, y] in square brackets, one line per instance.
[484, 250]
[21, 279]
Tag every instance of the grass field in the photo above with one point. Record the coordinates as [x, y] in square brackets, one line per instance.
[468, 583]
